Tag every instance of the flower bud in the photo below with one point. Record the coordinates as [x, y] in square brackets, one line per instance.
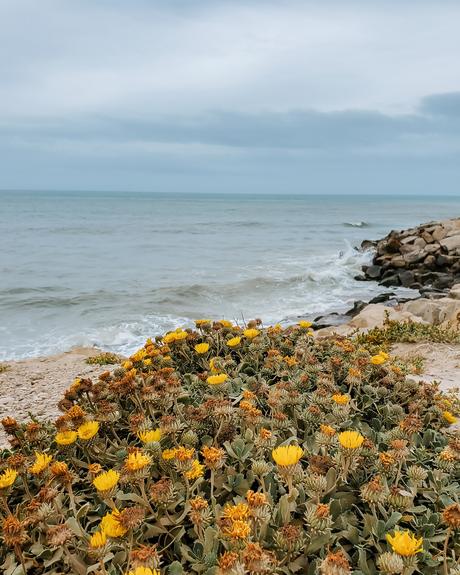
[390, 563]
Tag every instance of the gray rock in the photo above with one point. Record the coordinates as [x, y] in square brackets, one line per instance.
[368, 244]
[432, 248]
[430, 262]
[398, 262]
[439, 233]
[414, 257]
[427, 237]
[390, 280]
[406, 278]
[409, 239]
[373, 271]
[451, 243]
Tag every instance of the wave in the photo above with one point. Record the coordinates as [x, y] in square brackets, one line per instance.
[356, 224]
[121, 320]
[320, 271]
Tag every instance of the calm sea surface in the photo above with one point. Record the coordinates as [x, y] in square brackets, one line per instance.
[111, 269]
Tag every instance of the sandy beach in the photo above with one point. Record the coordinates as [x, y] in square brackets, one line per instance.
[36, 385]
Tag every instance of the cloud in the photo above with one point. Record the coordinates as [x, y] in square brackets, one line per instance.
[442, 105]
[310, 130]
[61, 57]
[245, 94]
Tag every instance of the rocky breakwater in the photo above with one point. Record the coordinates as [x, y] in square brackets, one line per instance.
[426, 257]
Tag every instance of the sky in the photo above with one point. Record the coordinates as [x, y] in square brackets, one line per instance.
[261, 96]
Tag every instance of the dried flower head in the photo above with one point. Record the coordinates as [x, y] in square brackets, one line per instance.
[451, 516]
[335, 564]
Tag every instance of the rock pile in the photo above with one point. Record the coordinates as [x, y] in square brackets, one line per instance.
[421, 257]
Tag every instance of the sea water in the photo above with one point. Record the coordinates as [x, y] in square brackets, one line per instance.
[111, 269]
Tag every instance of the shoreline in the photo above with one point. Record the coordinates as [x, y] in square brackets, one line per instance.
[35, 385]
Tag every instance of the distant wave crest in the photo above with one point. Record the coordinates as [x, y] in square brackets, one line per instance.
[356, 224]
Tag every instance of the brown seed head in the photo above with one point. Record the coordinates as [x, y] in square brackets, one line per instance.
[451, 516]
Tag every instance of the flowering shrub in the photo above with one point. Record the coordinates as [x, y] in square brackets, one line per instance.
[225, 451]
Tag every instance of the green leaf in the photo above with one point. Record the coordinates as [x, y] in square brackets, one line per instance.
[392, 520]
[176, 569]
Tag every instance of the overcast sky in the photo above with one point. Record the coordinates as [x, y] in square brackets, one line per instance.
[215, 96]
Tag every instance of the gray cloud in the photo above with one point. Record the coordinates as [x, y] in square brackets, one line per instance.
[301, 130]
[442, 104]
[230, 94]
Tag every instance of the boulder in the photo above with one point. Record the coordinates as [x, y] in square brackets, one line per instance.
[454, 292]
[406, 278]
[444, 311]
[373, 271]
[398, 262]
[427, 255]
[451, 243]
[439, 233]
[373, 315]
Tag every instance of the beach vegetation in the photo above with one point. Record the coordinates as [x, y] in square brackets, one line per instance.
[228, 450]
[394, 331]
[105, 358]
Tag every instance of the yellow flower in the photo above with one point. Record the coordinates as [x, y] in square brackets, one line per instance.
[217, 379]
[107, 480]
[111, 525]
[251, 333]
[449, 417]
[41, 463]
[147, 361]
[76, 384]
[139, 355]
[7, 478]
[405, 543]
[169, 337]
[237, 512]
[143, 571]
[136, 461]
[88, 430]
[98, 540]
[351, 439]
[183, 453]
[168, 454]
[384, 355]
[377, 360]
[181, 335]
[150, 435]
[66, 437]
[225, 323]
[239, 530]
[201, 347]
[305, 324]
[127, 365]
[234, 341]
[287, 455]
[341, 399]
[197, 470]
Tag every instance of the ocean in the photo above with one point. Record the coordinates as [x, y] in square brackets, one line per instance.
[111, 269]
